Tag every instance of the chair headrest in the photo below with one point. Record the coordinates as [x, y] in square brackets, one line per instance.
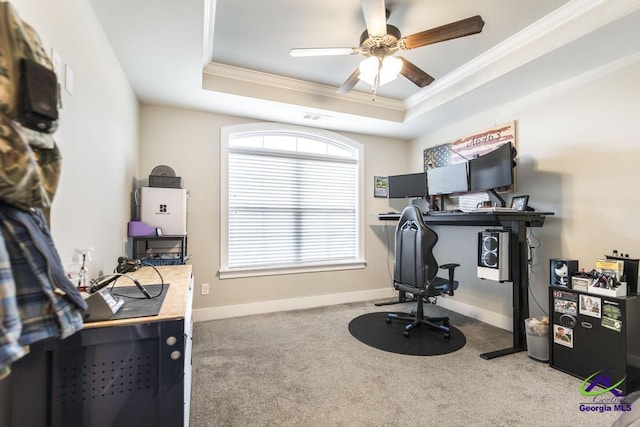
[411, 213]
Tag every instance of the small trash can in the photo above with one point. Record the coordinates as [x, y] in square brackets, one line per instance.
[537, 338]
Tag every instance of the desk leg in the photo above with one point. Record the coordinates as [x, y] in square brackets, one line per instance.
[518, 258]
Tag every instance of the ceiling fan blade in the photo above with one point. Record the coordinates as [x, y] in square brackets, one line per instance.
[450, 31]
[375, 16]
[324, 51]
[415, 74]
[349, 83]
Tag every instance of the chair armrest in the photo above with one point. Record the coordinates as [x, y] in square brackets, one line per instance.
[451, 267]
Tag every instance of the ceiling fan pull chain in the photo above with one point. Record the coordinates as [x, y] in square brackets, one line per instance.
[374, 88]
[376, 81]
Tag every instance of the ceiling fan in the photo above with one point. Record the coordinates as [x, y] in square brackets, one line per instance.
[380, 42]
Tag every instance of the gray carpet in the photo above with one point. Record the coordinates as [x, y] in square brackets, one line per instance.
[303, 368]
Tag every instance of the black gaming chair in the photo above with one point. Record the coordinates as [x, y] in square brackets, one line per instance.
[415, 269]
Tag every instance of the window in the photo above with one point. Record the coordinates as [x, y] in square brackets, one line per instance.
[291, 201]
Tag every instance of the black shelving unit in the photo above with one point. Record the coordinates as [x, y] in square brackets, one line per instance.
[160, 250]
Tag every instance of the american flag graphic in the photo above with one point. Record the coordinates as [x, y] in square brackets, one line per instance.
[437, 156]
[486, 141]
[470, 146]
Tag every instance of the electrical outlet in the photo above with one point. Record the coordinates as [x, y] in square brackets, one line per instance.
[205, 289]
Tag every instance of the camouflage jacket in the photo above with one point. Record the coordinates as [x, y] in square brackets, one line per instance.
[30, 160]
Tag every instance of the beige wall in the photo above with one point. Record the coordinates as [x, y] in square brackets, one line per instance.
[98, 133]
[578, 156]
[189, 142]
[578, 150]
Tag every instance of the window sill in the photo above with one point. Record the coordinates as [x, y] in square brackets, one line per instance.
[235, 273]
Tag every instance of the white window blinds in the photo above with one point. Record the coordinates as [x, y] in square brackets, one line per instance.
[292, 201]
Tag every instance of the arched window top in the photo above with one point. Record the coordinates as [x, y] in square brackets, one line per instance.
[291, 139]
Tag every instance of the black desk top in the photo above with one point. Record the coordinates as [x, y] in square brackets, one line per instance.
[489, 218]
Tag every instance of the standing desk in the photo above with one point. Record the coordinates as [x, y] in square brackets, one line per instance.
[516, 222]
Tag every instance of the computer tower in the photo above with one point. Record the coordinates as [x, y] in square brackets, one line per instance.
[164, 208]
[493, 255]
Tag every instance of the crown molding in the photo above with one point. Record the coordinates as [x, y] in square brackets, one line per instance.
[217, 69]
[207, 26]
[566, 24]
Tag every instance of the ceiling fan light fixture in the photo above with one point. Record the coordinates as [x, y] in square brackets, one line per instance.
[389, 68]
[369, 69]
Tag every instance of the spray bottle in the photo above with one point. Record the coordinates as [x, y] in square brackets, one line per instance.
[82, 257]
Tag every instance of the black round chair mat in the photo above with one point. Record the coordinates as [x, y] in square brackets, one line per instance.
[373, 330]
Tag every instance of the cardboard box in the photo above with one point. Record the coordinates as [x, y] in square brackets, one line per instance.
[580, 283]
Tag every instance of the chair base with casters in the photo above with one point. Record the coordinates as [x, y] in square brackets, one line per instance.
[437, 287]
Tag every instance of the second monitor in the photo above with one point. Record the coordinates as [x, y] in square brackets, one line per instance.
[449, 179]
[409, 185]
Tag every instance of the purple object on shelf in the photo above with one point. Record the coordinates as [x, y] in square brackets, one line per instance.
[139, 228]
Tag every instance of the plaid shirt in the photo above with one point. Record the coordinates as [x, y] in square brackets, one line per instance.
[37, 301]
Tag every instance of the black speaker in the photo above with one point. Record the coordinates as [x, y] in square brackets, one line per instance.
[493, 255]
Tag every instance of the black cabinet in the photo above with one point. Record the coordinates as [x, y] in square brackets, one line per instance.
[593, 336]
[128, 373]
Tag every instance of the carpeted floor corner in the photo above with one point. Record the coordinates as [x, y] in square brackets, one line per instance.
[304, 368]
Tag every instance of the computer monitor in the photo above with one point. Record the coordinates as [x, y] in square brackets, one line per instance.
[493, 170]
[410, 185]
[448, 179]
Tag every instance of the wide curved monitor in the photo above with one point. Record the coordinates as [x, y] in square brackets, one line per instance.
[493, 170]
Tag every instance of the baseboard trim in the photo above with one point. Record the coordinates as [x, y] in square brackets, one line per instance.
[229, 311]
[495, 319]
[224, 312]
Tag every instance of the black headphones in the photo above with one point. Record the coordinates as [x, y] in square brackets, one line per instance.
[125, 265]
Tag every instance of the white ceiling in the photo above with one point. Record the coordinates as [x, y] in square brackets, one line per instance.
[231, 56]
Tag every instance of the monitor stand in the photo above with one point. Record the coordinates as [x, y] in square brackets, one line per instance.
[496, 198]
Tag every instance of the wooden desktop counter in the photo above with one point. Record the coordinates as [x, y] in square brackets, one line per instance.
[175, 303]
[127, 372]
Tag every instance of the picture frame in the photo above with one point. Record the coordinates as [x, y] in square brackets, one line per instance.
[381, 186]
[519, 203]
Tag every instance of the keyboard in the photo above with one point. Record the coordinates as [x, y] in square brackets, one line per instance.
[452, 211]
[494, 209]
